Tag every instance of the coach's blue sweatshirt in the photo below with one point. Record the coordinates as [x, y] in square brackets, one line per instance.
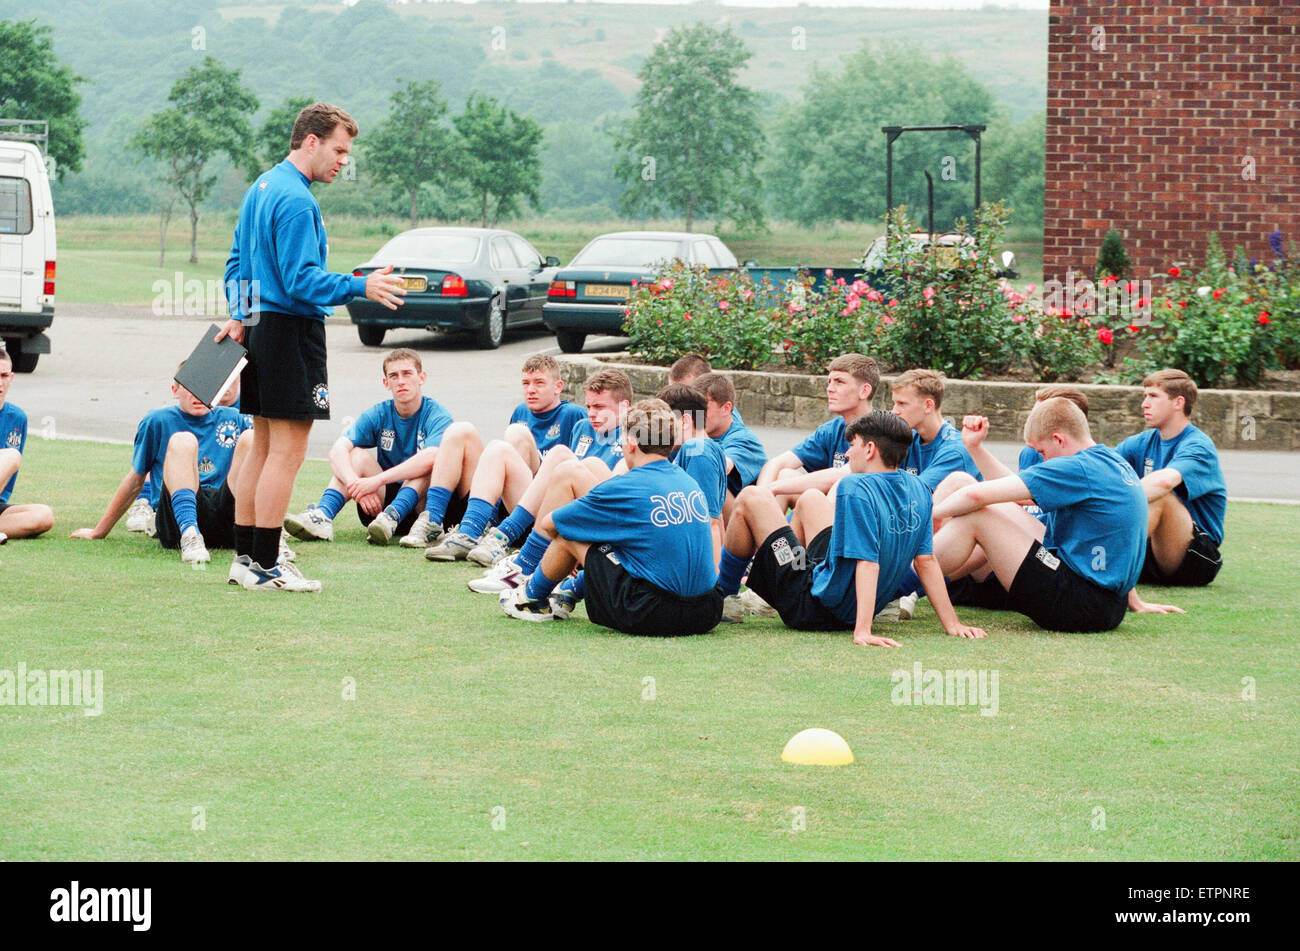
[279, 250]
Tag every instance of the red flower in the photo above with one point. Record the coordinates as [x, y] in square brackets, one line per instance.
[1247, 300]
[893, 301]
[1105, 336]
[788, 344]
[659, 322]
[1182, 303]
[1218, 293]
[1066, 313]
[1132, 328]
[1109, 280]
[1130, 287]
[686, 316]
[1264, 318]
[1174, 272]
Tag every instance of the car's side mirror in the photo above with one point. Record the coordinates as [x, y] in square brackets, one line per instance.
[750, 264]
[552, 261]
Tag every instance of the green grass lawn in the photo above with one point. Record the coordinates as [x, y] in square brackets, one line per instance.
[218, 699]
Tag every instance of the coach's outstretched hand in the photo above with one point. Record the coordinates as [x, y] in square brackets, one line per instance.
[384, 287]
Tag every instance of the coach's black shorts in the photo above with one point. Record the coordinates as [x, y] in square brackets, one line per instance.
[781, 574]
[617, 599]
[3, 506]
[1048, 592]
[405, 525]
[285, 377]
[1198, 568]
[216, 511]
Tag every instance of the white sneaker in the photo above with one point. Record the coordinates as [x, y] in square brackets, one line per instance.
[454, 546]
[754, 604]
[733, 610]
[311, 525]
[137, 516]
[890, 612]
[239, 570]
[491, 548]
[193, 551]
[907, 606]
[282, 577]
[502, 576]
[381, 529]
[286, 553]
[422, 534]
[563, 602]
[516, 604]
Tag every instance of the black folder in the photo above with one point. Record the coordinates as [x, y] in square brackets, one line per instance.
[212, 368]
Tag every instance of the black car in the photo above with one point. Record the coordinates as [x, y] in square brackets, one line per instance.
[479, 280]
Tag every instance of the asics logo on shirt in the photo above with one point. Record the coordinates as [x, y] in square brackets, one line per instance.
[905, 522]
[677, 508]
[1148, 465]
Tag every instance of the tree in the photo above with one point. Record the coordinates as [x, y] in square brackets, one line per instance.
[277, 131]
[209, 114]
[1112, 260]
[694, 144]
[501, 157]
[415, 146]
[35, 85]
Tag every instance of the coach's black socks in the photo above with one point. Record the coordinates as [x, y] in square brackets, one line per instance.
[244, 540]
[266, 547]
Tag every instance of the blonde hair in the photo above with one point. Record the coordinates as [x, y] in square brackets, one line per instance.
[926, 382]
[1057, 415]
[654, 427]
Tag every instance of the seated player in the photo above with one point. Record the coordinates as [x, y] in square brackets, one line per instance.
[541, 421]
[1186, 495]
[503, 476]
[194, 455]
[936, 449]
[1073, 571]
[387, 486]
[745, 454]
[26, 520]
[642, 539]
[689, 368]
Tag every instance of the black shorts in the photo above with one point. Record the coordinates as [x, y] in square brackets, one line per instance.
[1198, 568]
[216, 511]
[405, 525]
[3, 506]
[285, 377]
[632, 605]
[1048, 592]
[782, 573]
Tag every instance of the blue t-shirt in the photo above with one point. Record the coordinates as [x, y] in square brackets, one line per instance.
[741, 446]
[1096, 515]
[826, 448]
[1192, 453]
[656, 519]
[552, 428]
[216, 430]
[398, 439]
[940, 457]
[13, 435]
[704, 461]
[1029, 456]
[882, 517]
[586, 443]
[280, 248]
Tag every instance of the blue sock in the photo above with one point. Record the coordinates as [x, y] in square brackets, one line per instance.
[911, 582]
[530, 556]
[436, 501]
[730, 570]
[403, 503]
[477, 513]
[577, 586]
[331, 502]
[498, 515]
[539, 586]
[517, 524]
[186, 509]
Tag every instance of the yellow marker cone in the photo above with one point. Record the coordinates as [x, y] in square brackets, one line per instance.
[817, 747]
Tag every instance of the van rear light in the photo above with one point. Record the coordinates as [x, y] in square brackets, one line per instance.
[49, 279]
[453, 285]
[563, 289]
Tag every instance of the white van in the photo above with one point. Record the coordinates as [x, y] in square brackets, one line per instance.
[27, 246]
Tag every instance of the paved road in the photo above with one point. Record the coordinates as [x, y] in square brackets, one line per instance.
[110, 365]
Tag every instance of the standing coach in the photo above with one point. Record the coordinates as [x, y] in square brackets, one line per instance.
[279, 294]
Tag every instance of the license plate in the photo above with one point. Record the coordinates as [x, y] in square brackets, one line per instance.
[415, 283]
[617, 291]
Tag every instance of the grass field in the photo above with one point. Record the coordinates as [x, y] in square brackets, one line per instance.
[114, 260]
[473, 736]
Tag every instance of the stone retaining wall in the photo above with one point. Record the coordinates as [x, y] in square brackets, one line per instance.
[1234, 419]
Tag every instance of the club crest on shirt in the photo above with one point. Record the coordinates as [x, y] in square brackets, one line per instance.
[553, 432]
[206, 467]
[320, 395]
[14, 439]
[227, 434]
[1148, 465]
[839, 460]
[386, 440]
[584, 443]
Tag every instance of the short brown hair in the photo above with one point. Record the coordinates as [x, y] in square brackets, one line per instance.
[1056, 415]
[683, 398]
[1176, 383]
[892, 436]
[320, 119]
[861, 368]
[610, 381]
[541, 363]
[687, 368]
[653, 427]
[1071, 393]
[403, 353]
[717, 387]
[926, 382]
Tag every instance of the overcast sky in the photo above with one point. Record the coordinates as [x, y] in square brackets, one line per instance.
[913, 4]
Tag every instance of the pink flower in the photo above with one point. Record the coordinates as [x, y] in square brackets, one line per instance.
[747, 294]
[893, 302]
[852, 306]
[667, 284]
[839, 282]
[1019, 318]
[928, 293]
[829, 272]
[1031, 288]
[723, 305]
[874, 295]
[886, 320]
[795, 307]
[686, 316]
[861, 287]
[1105, 336]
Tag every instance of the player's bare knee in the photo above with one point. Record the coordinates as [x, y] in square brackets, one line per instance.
[183, 443]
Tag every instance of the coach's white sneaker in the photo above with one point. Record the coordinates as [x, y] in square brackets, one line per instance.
[381, 529]
[193, 551]
[516, 604]
[286, 553]
[491, 548]
[907, 606]
[454, 546]
[137, 516]
[239, 570]
[282, 577]
[733, 610]
[505, 574]
[755, 605]
[422, 534]
[890, 612]
[311, 525]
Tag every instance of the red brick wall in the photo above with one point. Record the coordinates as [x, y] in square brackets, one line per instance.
[1151, 129]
